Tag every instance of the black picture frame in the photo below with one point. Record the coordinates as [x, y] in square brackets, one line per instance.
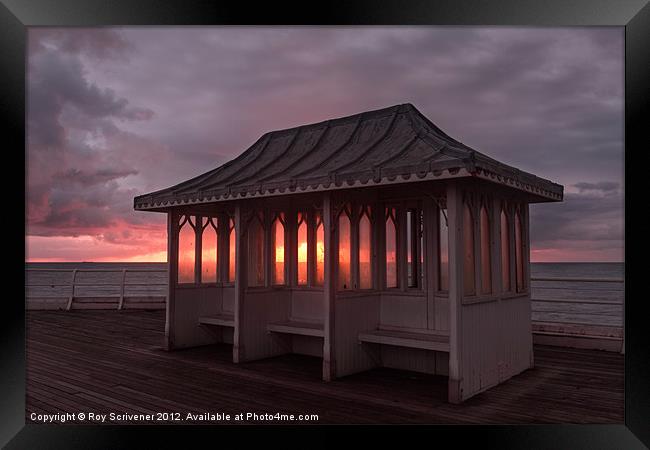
[634, 15]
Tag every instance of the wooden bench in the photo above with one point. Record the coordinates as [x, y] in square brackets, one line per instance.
[222, 320]
[425, 341]
[301, 328]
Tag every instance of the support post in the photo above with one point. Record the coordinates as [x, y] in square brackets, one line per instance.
[329, 291]
[526, 267]
[455, 218]
[121, 304]
[240, 285]
[69, 305]
[430, 250]
[172, 271]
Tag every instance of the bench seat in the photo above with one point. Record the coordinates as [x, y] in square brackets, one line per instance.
[425, 341]
[294, 327]
[222, 320]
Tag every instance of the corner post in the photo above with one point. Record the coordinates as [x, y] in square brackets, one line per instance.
[430, 258]
[240, 285]
[329, 291]
[455, 218]
[172, 276]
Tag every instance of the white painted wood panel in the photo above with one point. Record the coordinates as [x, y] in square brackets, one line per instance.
[441, 308]
[307, 305]
[416, 360]
[403, 311]
[354, 315]
[261, 308]
[190, 304]
[228, 302]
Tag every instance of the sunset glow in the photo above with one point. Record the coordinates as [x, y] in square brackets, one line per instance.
[344, 252]
[302, 250]
[232, 256]
[391, 249]
[186, 252]
[365, 257]
[278, 239]
[209, 253]
[320, 255]
[104, 126]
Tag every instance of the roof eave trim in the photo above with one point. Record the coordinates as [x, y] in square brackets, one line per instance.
[146, 203]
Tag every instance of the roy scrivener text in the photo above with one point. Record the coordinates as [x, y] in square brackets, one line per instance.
[208, 417]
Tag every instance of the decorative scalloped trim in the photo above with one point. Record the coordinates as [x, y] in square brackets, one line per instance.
[350, 183]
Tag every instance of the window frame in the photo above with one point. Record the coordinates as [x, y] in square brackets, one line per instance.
[186, 218]
[210, 222]
[278, 216]
[367, 211]
[391, 212]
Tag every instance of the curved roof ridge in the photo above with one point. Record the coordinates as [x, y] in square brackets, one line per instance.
[291, 143]
[300, 157]
[368, 147]
[381, 146]
[324, 160]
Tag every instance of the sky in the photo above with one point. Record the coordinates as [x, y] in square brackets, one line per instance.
[119, 112]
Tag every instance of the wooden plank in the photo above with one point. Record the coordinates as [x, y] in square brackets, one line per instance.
[404, 339]
[301, 328]
[111, 361]
[224, 320]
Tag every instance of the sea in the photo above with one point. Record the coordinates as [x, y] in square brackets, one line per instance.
[578, 270]
[595, 303]
[551, 269]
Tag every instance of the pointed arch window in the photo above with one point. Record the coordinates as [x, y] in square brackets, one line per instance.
[302, 249]
[209, 250]
[232, 251]
[505, 252]
[187, 249]
[365, 249]
[443, 251]
[344, 247]
[391, 248]
[279, 249]
[519, 254]
[469, 284]
[320, 251]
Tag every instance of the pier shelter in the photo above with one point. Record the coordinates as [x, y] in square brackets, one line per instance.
[369, 240]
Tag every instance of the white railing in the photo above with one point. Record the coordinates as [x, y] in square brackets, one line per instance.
[51, 282]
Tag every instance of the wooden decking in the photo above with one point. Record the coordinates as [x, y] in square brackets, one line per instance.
[110, 361]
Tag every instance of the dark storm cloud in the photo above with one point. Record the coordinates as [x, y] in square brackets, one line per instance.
[579, 218]
[604, 186]
[548, 101]
[71, 173]
[96, 177]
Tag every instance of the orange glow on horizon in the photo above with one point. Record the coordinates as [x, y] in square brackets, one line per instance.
[302, 250]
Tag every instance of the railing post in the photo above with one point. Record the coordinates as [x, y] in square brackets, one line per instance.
[121, 304]
[69, 305]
